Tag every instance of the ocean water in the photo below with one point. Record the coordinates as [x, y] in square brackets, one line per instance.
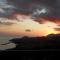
[4, 40]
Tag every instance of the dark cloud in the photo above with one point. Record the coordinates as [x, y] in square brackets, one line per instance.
[28, 30]
[57, 29]
[40, 20]
[6, 9]
[59, 25]
[27, 6]
[9, 7]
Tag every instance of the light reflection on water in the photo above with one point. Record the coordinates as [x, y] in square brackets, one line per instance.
[3, 43]
[7, 46]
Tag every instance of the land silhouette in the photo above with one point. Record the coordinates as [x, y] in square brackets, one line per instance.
[51, 41]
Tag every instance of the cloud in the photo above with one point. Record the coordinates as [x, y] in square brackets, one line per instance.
[57, 29]
[6, 21]
[30, 5]
[6, 9]
[38, 12]
[52, 9]
[28, 30]
[59, 25]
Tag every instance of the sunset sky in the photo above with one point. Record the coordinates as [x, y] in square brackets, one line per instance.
[13, 27]
[29, 18]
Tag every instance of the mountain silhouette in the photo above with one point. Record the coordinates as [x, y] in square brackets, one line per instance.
[51, 41]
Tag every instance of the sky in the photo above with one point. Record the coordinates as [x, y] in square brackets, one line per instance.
[28, 18]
